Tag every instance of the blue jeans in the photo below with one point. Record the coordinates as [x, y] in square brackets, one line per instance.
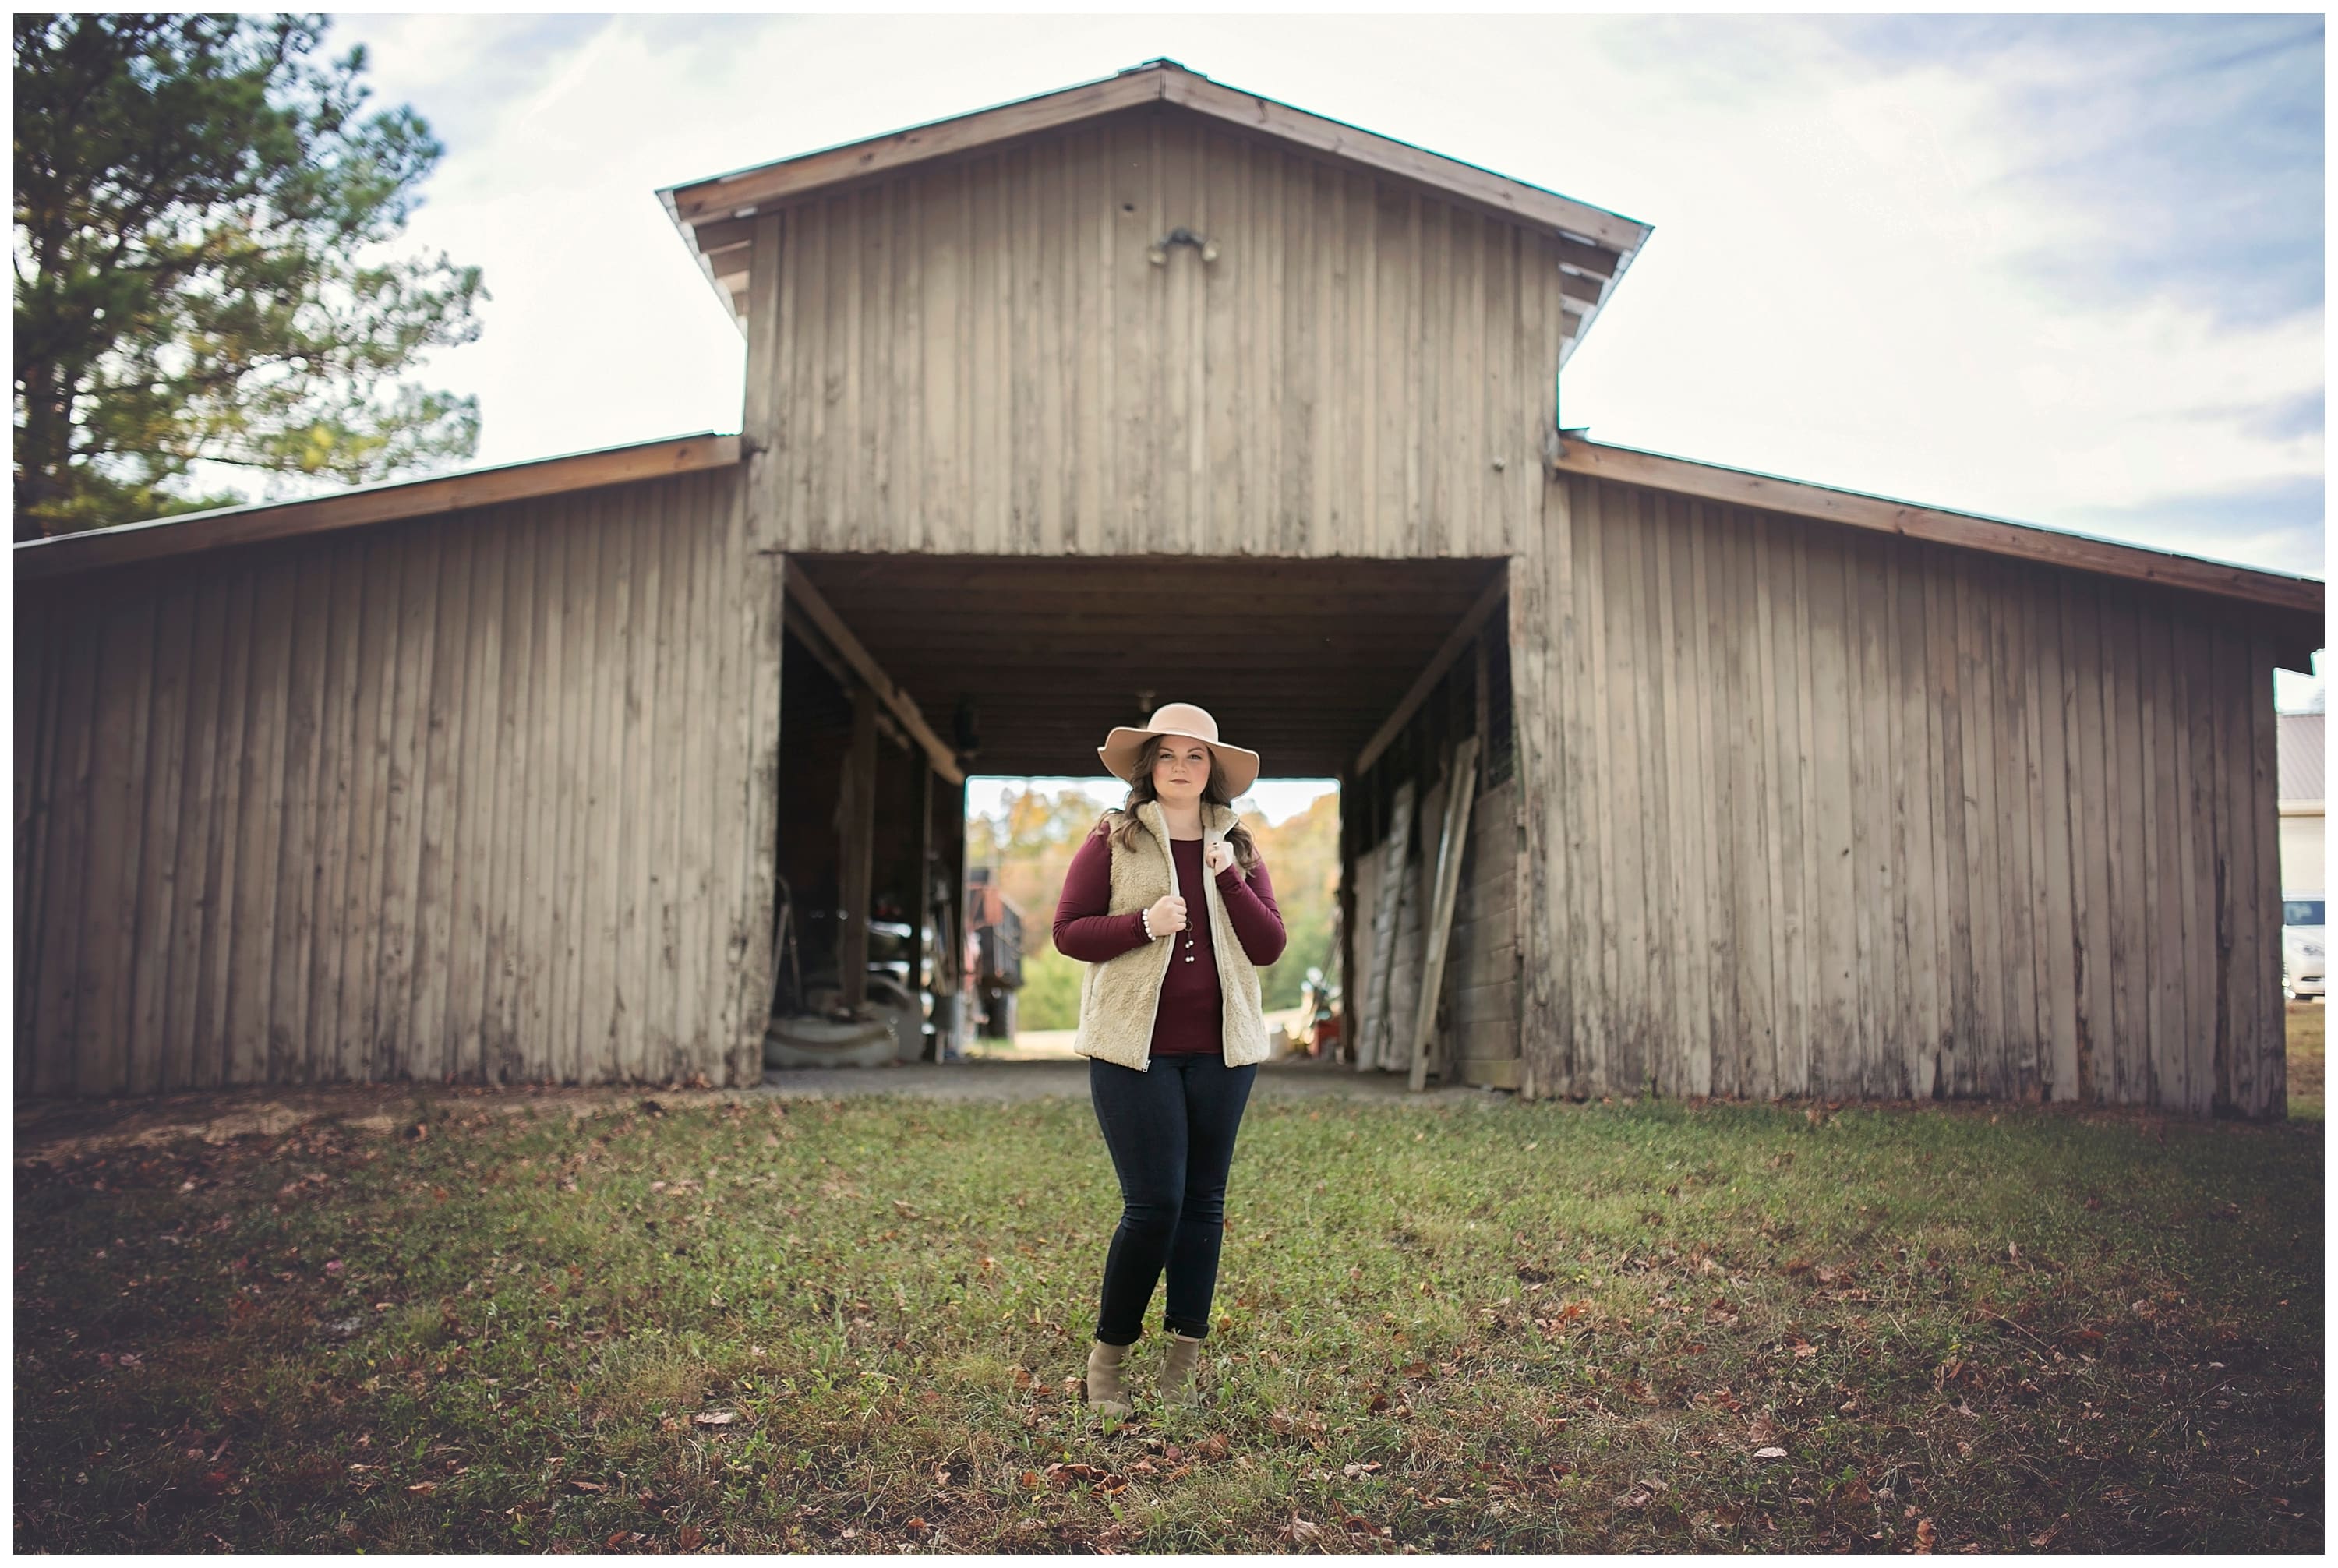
[1171, 1133]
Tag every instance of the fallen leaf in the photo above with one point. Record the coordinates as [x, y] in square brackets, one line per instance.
[688, 1538]
[715, 1417]
[1925, 1535]
[422, 1488]
[1772, 1453]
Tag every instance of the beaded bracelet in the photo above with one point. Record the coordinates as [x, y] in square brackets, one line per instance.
[1145, 917]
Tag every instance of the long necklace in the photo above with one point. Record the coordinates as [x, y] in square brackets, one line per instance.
[1189, 925]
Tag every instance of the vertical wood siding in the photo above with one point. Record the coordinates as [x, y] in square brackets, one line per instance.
[977, 356]
[1833, 813]
[464, 796]
[1481, 978]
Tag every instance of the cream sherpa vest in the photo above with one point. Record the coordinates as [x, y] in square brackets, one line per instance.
[1119, 999]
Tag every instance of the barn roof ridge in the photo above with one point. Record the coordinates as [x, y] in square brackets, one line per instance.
[712, 213]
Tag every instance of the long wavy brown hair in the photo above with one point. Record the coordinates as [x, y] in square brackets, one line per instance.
[1122, 823]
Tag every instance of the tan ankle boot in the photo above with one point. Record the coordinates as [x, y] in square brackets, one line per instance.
[1105, 1395]
[1179, 1386]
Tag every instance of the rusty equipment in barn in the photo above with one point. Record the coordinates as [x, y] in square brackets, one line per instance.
[995, 932]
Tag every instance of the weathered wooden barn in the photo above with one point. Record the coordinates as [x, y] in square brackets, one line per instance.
[1152, 389]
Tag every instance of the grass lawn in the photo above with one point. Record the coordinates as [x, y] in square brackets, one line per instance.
[859, 1325]
[2306, 1059]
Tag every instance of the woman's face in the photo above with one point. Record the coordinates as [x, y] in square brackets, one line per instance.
[1180, 770]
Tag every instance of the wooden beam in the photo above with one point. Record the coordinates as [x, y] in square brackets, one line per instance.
[1461, 786]
[1371, 1024]
[1596, 259]
[752, 189]
[1738, 486]
[840, 637]
[736, 257]
[815, 642]
[171, 536]
[1584, 288]
[724, 233]
[1511, 198]
[1425, 681]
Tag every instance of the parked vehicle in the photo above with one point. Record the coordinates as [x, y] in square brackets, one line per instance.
[2300, 947]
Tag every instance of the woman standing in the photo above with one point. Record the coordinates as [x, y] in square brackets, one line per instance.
[1168, 903]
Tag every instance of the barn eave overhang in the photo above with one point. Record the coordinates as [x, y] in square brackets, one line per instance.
[389, 501]
[2297, 601]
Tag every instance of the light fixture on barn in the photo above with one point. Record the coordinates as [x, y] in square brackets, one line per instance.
[1158, 254]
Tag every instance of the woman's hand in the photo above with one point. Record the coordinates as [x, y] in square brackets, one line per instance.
[1218, 855]
[1167, 915]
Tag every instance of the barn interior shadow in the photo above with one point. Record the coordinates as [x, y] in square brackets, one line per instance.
[903, 674]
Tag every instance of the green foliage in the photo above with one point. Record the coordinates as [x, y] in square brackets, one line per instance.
[1051, 997]
[200, 215]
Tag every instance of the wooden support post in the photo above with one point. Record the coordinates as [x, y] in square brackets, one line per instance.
[1372, 1022]
[1461, 782]
[763, 572]
[860, 824]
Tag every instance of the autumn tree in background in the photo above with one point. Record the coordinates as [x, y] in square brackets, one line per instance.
[1032, 837]
[200, 213]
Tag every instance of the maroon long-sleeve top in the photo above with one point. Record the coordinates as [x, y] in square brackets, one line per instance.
[1190, 1018]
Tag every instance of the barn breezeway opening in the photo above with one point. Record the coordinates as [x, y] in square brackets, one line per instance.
[905, 679]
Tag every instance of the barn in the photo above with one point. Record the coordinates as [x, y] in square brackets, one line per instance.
[1656, 776]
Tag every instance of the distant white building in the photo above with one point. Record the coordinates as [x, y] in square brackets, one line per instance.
[2298, 747]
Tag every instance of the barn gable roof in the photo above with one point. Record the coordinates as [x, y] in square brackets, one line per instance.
[715, 215]
[2299, 631]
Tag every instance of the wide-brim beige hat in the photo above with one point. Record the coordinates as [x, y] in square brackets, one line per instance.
[1119, 749]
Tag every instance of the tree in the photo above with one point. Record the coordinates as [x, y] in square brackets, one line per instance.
[199, 214]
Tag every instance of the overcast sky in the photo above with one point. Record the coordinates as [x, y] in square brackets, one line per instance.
[2066, 270]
